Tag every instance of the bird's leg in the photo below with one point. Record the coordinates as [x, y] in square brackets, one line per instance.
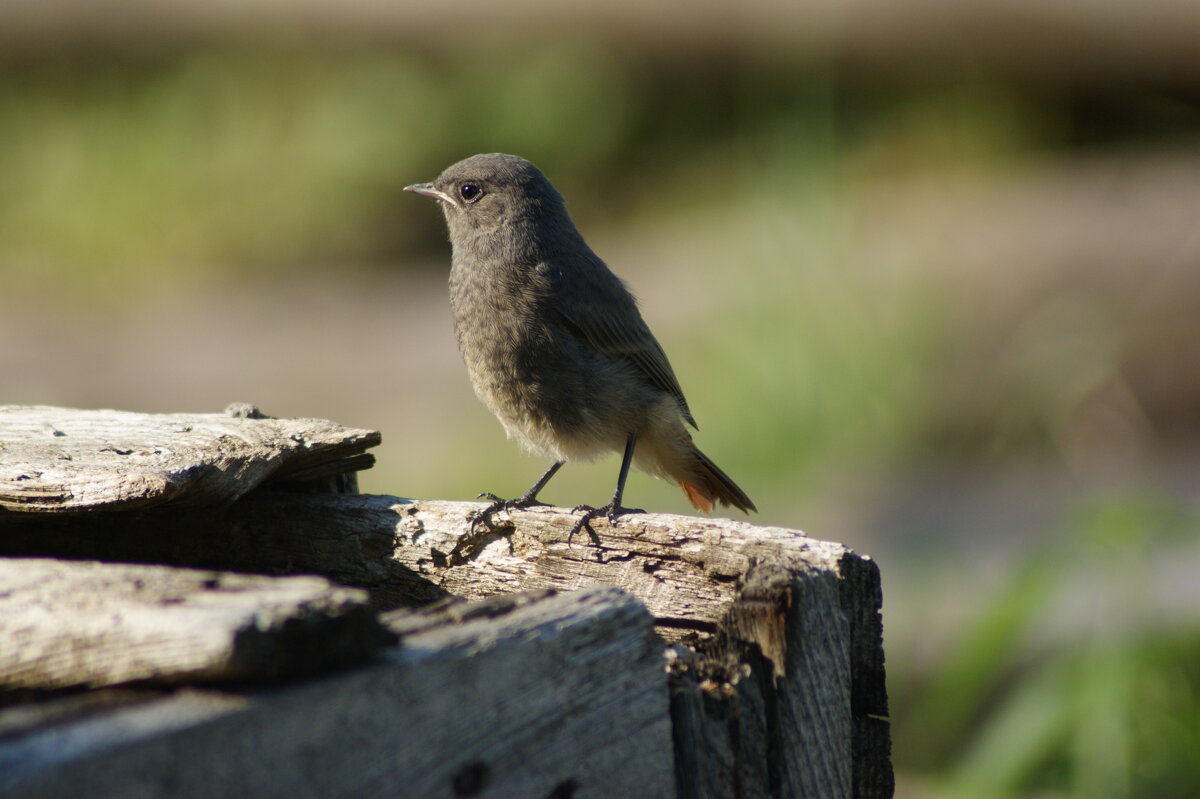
[613, 509]
[526, 500]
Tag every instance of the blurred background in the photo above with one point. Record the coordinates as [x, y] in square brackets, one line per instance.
[929, 274]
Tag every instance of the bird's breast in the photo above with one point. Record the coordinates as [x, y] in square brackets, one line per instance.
[504, 338]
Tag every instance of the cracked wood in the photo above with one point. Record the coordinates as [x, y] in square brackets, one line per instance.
[69, 624]
[556, 695]
[64, 460]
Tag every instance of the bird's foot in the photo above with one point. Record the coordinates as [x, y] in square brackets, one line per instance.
[611, 511]
[484, 515]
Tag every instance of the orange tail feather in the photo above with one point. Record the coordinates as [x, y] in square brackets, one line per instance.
[697, 498]
[708, 484]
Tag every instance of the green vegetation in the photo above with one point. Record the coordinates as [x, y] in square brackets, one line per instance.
[1068, 679]
[259, 159]
[832, 355]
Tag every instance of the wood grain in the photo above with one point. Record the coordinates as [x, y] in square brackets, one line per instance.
[66, 624]
[554, 696]
[781, 684]
[774, 667]
[66, 460]
[409, 552]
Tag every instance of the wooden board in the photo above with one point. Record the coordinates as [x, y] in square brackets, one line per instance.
[67, 624]
[65, 460]
[775, 673]
[788, 697]
[785, 688]
[553, 696]
[685, 568]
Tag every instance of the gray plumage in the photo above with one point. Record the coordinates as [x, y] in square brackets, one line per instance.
[553, 340]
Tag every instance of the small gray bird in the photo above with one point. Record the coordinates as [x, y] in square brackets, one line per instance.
[554, 342]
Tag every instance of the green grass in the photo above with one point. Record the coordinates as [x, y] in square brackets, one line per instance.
[1108, 708]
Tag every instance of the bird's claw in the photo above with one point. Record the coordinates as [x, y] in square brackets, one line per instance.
[484, 515]
[611, 511]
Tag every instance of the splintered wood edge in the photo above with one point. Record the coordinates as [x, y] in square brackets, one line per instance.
[410, 552]
[63, 460]
[788, 623]
[685, 568]
[695, 575]
[722, 546]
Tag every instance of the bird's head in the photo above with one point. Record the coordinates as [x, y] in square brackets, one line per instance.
[485, 192]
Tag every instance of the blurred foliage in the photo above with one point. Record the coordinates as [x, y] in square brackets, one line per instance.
[257, 157]
[233, 157]
[118, 170]
[1104, 705]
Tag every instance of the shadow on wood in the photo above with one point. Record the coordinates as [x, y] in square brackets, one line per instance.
[560, 696]
[523, 678]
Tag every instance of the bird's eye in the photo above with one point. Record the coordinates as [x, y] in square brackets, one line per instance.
[470, 192]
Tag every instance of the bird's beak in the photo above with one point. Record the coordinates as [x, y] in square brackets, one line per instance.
[427, 190]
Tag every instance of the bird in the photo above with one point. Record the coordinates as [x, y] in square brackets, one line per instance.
[554, 342]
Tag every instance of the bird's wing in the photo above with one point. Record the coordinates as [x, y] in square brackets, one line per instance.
[605, 315]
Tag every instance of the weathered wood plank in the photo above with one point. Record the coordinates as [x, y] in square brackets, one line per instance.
[764, 707]
[404, 551]
[66, 624]
[871, 749]
[66, 460]
[787, 688]
[550, 696]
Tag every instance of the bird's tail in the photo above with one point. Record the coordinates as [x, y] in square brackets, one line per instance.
[706, 484]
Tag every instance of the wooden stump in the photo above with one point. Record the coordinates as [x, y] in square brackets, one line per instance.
[772, 683]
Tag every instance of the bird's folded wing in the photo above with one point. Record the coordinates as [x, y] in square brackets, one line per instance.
[612, 325]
